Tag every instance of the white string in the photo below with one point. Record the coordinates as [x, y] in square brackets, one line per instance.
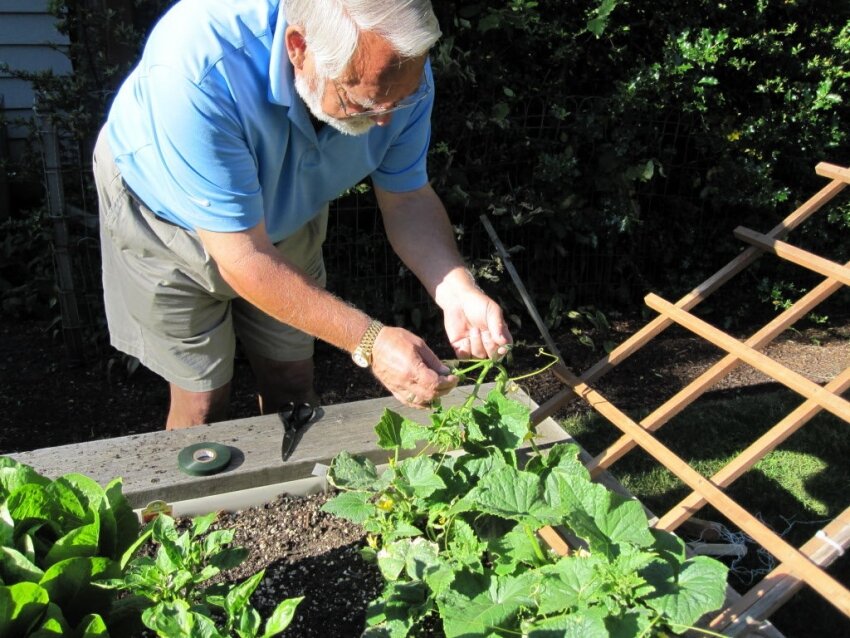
[829, 541]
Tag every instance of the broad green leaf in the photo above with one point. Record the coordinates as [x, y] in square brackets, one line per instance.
[563, 456]
[71, 509]
[463, 543]
[596, 514]
[92, 626]
[176, 619]
[16, 475]
[82, 541]
[352, 506]
[249, 622]
[126, 521]
[420, 472]
[33, 502]
[669, 546]
[201, 524]
[7, 527]
[700, 587]
[15, 567]
[237, 598]
[585, 624]
[413, 556]
[513, 549]
[21, 605]
[572, 582]
[633, 623]
[282, 616]
[228, 558]
[515, 495]
[51, 624]
[394, 431]
[352, 472]
[503, 422]
[476, 605]
[89, 494]
[69, 583]
[399, 605]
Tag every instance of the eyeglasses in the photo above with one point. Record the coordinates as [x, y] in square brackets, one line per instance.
[413, 99]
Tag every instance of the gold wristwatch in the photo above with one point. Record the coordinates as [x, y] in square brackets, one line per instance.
[362, 354]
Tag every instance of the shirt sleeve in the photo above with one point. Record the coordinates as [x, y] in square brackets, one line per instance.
[207, 167]
[405, 164]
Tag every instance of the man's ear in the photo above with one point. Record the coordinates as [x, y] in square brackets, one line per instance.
[296, 46]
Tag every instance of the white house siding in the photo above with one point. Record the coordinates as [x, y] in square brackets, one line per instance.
[29, 41]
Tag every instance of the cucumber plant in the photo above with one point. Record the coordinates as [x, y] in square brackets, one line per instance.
[455, 535]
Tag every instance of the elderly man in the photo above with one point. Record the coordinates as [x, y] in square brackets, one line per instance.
[214, 171]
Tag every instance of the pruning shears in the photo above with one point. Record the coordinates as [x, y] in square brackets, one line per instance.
[294, 416]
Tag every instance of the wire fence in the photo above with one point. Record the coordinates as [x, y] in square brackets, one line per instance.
[361, 265]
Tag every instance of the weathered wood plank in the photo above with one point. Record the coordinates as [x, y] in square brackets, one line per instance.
[147, 463]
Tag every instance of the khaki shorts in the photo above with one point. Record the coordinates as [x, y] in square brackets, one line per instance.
[166, 303]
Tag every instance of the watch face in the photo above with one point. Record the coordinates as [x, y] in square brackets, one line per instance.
[359, 359]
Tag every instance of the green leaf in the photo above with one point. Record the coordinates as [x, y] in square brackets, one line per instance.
[352, 506]
[415, 557]
[176, 619]
[700, 587]
[598, 515]
[476, 605]
[16, 475]
[512, 494]
[571, 582]
[249, 622]
[201, 524]
[92, 626]
[420, 472]
[282, 616]
[237, 598]
[586, 624]
[21, 605]
[513, 549]
[503, 422]
[352, 472]
[15, 567]
[83, 541]
[126, 521]
[463, 543]
[394, 431]
[51, 624]
[70, 583]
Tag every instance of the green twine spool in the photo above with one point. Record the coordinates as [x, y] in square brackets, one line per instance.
[203, 459]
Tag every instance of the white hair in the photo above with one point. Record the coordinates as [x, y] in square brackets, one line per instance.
[333, 27]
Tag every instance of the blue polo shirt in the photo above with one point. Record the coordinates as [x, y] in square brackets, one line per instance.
[209, 132]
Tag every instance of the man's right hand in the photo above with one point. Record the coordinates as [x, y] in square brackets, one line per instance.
[409, 369]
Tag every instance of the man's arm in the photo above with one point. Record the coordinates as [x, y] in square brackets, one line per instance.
[420, 232]
[251, 264]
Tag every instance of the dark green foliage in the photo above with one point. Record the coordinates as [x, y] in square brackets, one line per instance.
[615, 144]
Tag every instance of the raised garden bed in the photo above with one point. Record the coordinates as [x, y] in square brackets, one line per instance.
[255, 476]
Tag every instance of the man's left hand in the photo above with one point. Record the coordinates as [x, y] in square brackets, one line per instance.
[476, 327]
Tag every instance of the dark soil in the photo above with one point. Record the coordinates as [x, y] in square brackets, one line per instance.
[45, 402]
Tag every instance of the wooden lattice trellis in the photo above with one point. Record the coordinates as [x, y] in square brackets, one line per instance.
[797, 566]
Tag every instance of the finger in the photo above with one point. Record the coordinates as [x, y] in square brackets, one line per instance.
[498, 328]
[461, 348]
[476, 344]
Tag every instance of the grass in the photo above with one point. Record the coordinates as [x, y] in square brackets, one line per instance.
[795, 489]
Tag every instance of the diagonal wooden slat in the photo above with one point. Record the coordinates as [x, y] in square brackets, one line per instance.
[795, 255]
[797, 382]
[796, 419]
[727, 364]
[704, 290]
[804, 568]
[779, 585]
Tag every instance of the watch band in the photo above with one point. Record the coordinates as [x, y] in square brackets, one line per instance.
[362, 354]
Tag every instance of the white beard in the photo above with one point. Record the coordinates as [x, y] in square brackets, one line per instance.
[312, 97]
